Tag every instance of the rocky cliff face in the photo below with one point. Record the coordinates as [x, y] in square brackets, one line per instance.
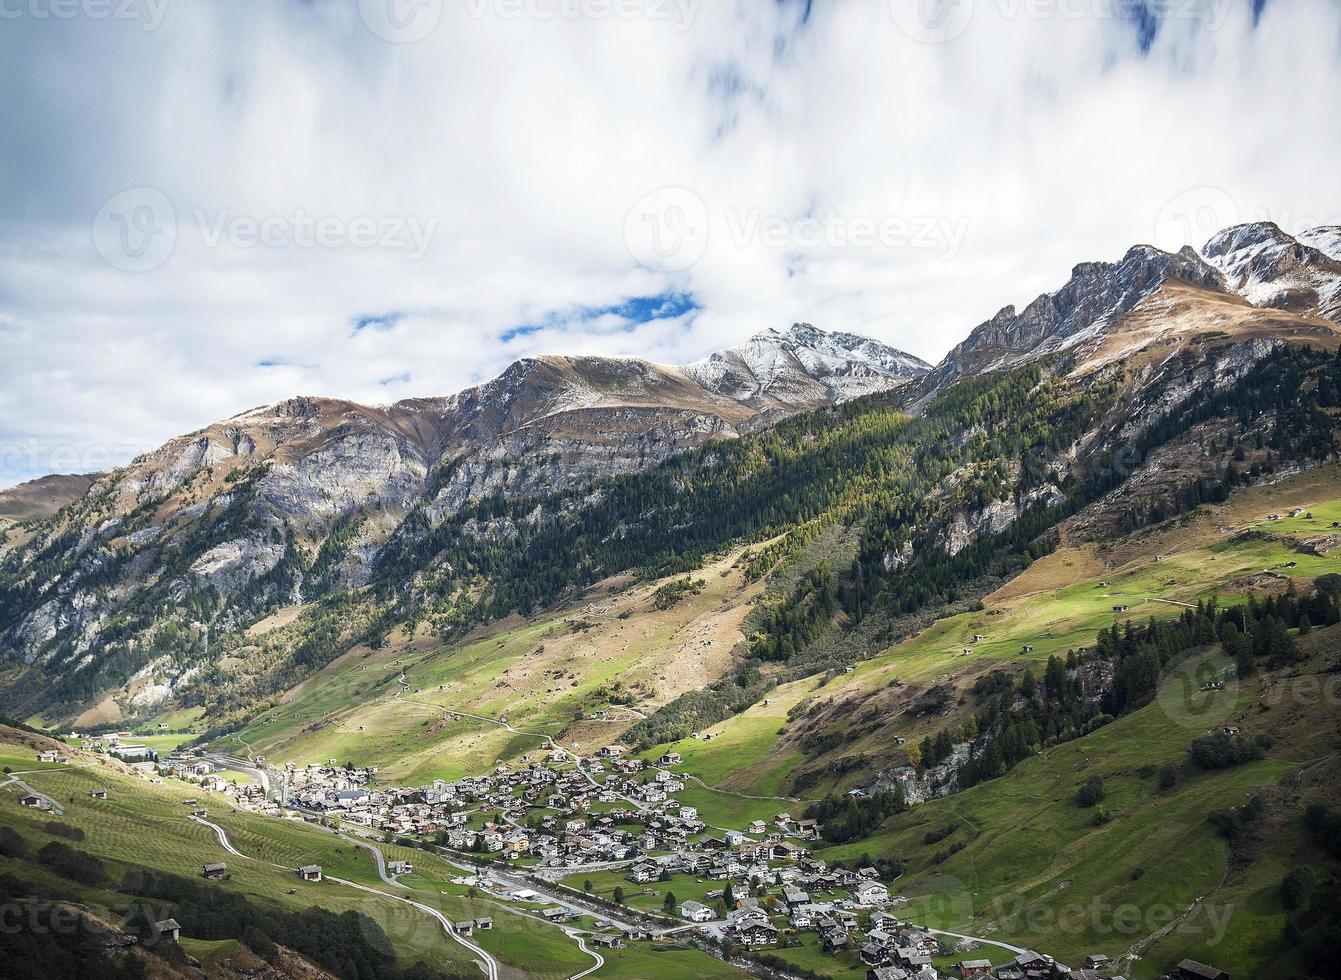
[1272, 269]
[1248, 280]
[286, 501]
[283, 504]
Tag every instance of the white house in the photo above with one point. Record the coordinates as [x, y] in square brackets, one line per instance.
[695, 912]
[871, 893]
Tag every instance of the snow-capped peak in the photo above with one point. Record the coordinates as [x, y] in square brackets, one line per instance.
[778, 363]
[1271, 268]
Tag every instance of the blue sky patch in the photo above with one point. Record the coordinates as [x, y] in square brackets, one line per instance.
[635, 311]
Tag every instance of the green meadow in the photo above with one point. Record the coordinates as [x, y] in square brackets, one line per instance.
[1037, 870]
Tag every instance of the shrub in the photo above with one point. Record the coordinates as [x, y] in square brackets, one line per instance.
[12, 843]
[1226, 751]
[1168, 776]
[1296, 888]
[57, 829]
[70, 863]
[259, 943]
[936, 836]
[1092, 792]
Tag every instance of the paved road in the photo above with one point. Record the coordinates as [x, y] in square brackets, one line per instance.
[54, 808]
[487, 963]
[978, 939]
[220, 833]
[378, 857]
[582, 945]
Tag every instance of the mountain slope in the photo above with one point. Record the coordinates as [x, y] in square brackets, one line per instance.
[282, 503]
[1270, 268]
[44, 496]
[1248, 281]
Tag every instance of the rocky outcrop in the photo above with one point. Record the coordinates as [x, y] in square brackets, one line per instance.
[921, 785]
[201, 520]
[1186, 294]
[1273, 269]
[1097, 295]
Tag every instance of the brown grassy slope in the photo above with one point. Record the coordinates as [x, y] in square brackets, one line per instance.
[44, 496]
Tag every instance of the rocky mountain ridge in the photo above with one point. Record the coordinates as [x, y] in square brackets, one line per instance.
[249, 502]
[284, 504]
[1236, 284]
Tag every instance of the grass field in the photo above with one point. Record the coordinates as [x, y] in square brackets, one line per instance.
[1058, 604]
[1037, 871]
[142, 824]
[146, 825]
[546, 677]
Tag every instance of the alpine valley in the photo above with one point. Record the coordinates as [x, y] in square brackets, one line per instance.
[807, 659]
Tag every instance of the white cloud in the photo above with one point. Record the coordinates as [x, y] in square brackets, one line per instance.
[1032, 140]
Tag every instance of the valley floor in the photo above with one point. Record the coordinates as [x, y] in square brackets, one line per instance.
[1016, 861]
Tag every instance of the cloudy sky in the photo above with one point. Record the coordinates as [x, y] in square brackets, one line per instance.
[214, 204]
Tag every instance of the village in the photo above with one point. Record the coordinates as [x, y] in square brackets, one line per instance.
[539, 832]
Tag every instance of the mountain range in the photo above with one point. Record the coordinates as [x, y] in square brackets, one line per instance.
[283, 504]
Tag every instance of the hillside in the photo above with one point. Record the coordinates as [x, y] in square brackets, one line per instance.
[443, 515]
[284, 504]
[971, 622]
[44, 496]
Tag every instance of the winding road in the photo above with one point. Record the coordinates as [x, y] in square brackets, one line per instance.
[486, 961]
[53, 807]
[1017, 950]
[600, 960]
